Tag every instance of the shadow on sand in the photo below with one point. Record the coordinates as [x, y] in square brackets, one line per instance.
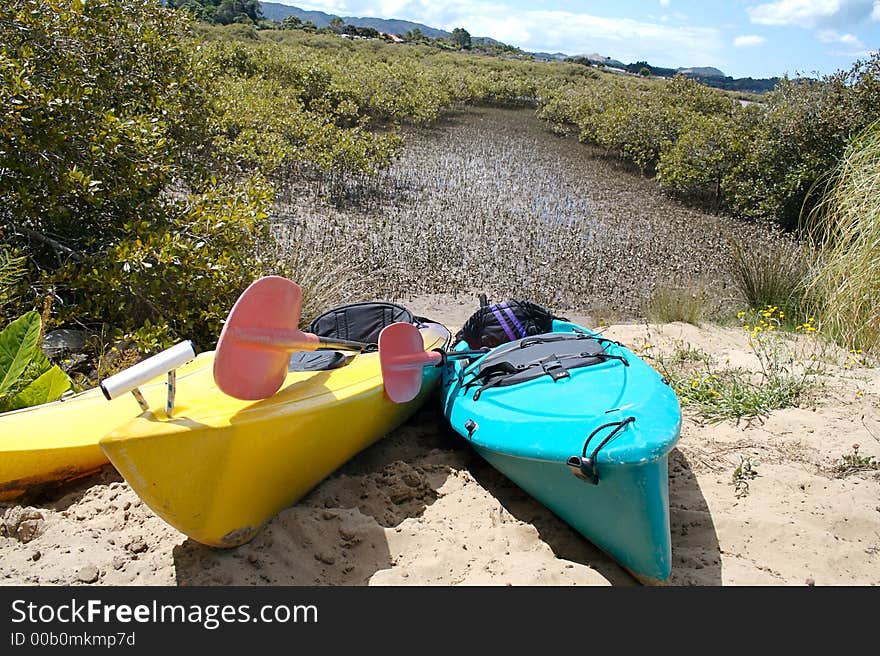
[61, 495]
[336, 534]
[695, 552]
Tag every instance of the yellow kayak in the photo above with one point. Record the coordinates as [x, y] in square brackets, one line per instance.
[221, 467]
[57, 442]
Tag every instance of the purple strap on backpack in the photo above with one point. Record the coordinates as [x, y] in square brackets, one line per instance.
[504, 325]
[513, 319]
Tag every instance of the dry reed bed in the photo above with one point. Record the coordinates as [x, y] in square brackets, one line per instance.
[489, 200]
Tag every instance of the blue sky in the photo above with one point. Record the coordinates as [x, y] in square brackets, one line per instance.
[757, 38]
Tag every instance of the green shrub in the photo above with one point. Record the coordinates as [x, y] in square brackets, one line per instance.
[97, 103]
[177, 277]
[696, 164]
[102, 111]
[761, 161]
[136, 161]
[635, 121]
[802, 136]
[263, 126]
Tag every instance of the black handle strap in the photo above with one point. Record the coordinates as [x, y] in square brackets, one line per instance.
[585, 467]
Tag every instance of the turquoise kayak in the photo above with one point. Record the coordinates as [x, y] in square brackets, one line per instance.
[584, 426]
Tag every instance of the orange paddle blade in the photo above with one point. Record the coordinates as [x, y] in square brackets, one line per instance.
[402, 357]
[254, 347]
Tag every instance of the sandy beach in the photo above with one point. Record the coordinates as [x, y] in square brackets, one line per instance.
[421, 508]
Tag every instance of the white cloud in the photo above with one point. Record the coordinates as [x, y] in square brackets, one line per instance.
[829, 19]
[626, 39]
[814, 13]
[832, 36]
[748, 40]
[847, 45]
[664, 3]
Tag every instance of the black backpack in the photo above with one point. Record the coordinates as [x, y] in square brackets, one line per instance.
[500, 323]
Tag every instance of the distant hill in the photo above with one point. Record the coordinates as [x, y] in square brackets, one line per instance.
[701, 71]
[746, 84]
[493, 46]
[709, 76]
[277, 12]
[486, 41]
[596, 58]
[549, 56]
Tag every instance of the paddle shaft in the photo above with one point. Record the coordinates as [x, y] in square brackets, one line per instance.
[416, 360]
[343, 344]
[280, 339]
[424, 358]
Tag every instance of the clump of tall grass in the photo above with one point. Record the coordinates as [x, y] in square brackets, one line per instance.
[774, 275]
[669, 303]
[321, 269]
[845, 288]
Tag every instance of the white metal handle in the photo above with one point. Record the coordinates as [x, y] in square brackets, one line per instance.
[130, 379]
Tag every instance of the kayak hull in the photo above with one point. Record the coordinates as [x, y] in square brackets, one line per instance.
[50, 444]
[221, 467]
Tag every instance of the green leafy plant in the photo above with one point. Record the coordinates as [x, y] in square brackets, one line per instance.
[26, 376]
[174, 279]
[718, 394]
[12, 271]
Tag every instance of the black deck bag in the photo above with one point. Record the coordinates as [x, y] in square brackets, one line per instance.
[316, 360]
[358, 322]
[551, 354]
[500, 323]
